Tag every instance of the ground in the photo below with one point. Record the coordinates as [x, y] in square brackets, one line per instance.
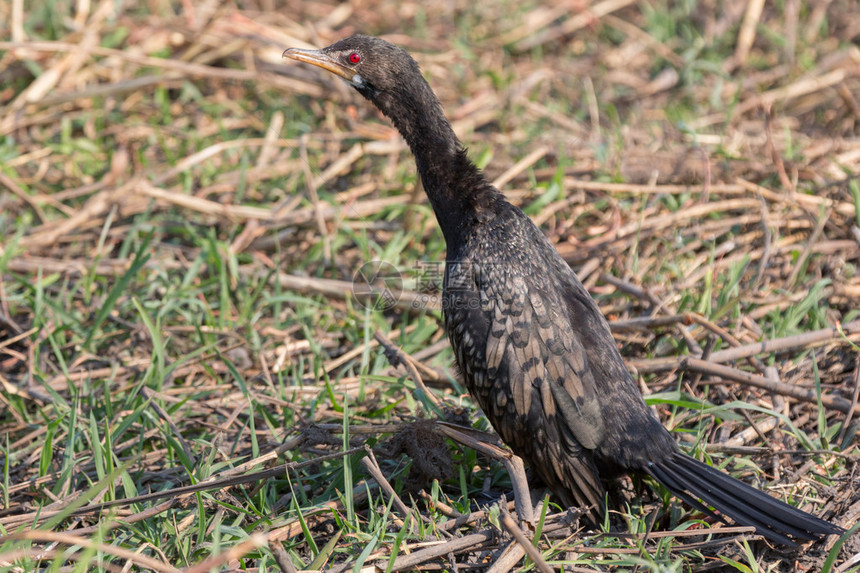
[186, 215]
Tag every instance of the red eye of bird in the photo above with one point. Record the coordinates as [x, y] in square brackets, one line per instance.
[354, 58]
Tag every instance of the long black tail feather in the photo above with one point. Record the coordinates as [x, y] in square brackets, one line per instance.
[701, 486]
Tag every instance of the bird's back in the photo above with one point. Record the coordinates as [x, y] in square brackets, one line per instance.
[538, 356]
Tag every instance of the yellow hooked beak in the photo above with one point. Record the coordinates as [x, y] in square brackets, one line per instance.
[320, 59]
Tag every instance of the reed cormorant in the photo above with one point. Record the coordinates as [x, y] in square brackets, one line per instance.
[533, 347]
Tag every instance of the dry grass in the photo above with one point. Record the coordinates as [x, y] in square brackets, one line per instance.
[185, 213]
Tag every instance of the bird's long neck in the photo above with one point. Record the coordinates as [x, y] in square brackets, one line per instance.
[455, 186]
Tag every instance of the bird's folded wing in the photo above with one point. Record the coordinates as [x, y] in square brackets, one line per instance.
[546, 362]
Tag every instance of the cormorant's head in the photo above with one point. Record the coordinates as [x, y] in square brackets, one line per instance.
[390, 78]
[372, 66]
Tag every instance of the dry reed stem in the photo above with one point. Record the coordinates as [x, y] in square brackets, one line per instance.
[372, 466]
[734, 375]
[77, 540]
[514, 530]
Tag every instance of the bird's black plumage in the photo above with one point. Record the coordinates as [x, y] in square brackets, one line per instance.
[534, 349]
